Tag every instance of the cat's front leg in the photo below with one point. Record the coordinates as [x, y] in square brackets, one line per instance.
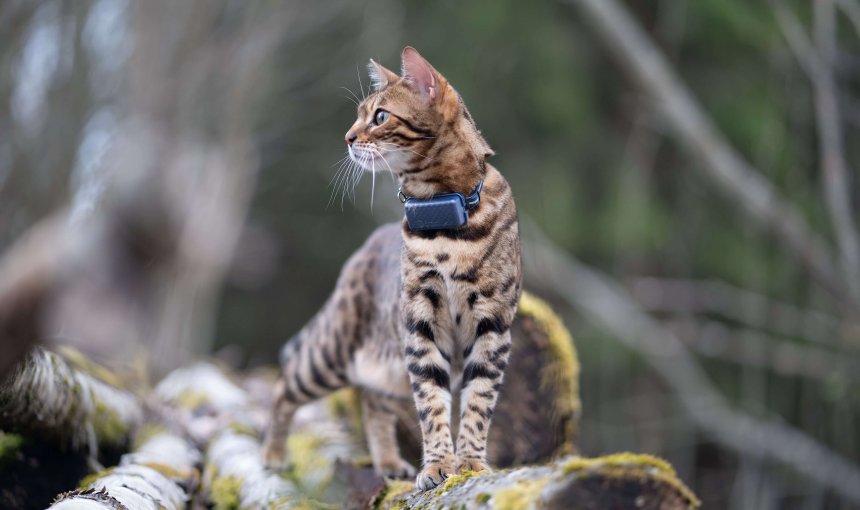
[485, 360]
[429, 366]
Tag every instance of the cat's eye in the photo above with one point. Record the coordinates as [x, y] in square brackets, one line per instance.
[380, 117]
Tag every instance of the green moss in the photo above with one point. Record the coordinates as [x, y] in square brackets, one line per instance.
[171, 472]
[91, 479]
[307, 504]
[225, 493]
[191, 400]
[561, 375]
[345, 405]
[520, 495]
[455, 480]
[483, 498]
[243, 429]
[396, 489]
[9, 446]
[624, 459]
[309, 469]
[631, 466]
[78, 361]
[145, 433]
[109, 427]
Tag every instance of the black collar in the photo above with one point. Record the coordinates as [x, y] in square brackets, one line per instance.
[440, 212]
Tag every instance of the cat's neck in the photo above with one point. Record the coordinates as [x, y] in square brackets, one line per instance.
[453, 171]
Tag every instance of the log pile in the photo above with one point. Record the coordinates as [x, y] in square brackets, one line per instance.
[194, 441]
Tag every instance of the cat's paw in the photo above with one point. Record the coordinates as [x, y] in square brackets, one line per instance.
[396, 468]
[474, 465]
[275, 457]
[433, 474]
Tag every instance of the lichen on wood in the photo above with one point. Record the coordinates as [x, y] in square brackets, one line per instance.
[46, 397]
[220, 414]
[560, 375]
[161, 474]
[575, 483]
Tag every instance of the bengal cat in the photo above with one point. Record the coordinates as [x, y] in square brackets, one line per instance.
[416, 313]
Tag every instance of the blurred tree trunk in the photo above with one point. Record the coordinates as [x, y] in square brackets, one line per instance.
[161, 474]
[45, 397]
[140, 261]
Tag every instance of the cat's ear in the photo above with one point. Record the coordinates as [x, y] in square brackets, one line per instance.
[380, 75]
[419, 72]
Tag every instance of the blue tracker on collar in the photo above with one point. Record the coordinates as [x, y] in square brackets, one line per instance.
[441, 212]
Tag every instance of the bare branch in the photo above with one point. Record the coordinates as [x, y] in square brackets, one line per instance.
[739, 181]
[752, 348]
[754, 310]
[818, 65]
[610, 306]
[851, 8]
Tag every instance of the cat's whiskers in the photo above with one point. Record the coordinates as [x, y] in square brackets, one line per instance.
[357, 173]
[361, 158]
[382, 157]
[354, 98]
[360, 86]
[339, 177]
[372, 183]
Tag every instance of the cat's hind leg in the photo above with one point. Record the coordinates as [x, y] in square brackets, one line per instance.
[313, 365]
[380, 421]
[275, 442]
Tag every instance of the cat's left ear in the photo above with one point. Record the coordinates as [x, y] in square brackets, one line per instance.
[419, 72]
[380, 75]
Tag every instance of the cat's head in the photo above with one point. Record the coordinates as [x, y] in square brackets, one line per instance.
[416, 125]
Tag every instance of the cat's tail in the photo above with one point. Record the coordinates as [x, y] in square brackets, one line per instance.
[314, 363]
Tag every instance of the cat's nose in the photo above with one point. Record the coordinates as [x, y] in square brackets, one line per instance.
[350, 137]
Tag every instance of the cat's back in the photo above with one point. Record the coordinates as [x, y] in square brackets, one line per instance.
[375, 266]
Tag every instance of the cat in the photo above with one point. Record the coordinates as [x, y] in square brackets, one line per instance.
[416, 313]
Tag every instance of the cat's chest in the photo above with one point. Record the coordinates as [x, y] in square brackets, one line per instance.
[453, 272]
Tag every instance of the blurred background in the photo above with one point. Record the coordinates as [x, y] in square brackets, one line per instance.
[684, 172]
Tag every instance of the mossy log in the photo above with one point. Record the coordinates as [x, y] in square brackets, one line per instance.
[330, 468]
[574, 483]
[228, 417]
[224, 416]
[45, 396]
[161, 474]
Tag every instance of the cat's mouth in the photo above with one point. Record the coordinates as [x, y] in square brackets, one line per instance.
[362, 157]
[369, 157]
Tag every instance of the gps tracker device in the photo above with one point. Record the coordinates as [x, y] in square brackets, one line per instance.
[440, 212]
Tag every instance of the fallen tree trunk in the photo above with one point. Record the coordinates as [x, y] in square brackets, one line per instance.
[221, 415]
[44, 396]
[614, 481]
[218, 419]
[159, 475]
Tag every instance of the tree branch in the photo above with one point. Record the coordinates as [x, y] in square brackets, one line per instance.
[752, 309]
[818, 66]
[739, 181]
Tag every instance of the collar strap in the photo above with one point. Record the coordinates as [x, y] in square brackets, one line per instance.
[440, 212]
[470, 201]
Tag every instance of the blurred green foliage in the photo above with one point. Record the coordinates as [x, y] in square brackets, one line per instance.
[588, 157]
[588, 160]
